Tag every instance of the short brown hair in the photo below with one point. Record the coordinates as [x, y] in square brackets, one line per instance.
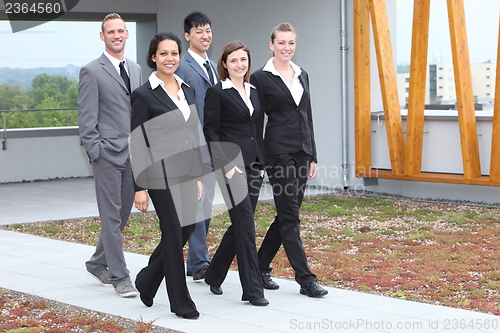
[111, 16]
[226, 51]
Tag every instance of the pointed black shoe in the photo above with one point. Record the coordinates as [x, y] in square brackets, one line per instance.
[190, 315]
[216, 290]
[268, 283]
[259, 302]
[148, 301]
[313, 289]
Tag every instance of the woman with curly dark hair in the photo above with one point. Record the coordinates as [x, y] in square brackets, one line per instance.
[166, 162]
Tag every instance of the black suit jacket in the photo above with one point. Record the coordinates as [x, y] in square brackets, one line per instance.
[228, 119]
[289, 128]
[163, 144]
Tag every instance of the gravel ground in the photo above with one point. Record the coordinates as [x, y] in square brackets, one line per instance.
[39, 308]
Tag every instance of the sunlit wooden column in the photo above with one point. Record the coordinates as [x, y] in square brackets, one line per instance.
[418, 79]
[463, 84]
[495, 138]
[362, 114]
[387, 74]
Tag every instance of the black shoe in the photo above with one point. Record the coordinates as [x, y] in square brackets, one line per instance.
[259, 302]
[216, 290]
[313, 289]
[268, 283]
[190, 315]
[148, 301]
[200, 275]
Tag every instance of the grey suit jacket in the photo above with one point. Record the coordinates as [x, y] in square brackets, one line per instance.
[104, 109]
[192, 73]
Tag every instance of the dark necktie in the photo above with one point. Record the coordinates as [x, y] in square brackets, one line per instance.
[123, 74]
[209, 70]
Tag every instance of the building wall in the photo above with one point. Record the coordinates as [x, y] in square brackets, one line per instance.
[318, 51]
[317, 24]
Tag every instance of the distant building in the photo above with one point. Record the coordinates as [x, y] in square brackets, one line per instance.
[441, 85]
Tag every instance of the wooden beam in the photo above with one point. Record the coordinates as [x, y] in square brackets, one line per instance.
[418, 79]
[463, 85]
[362, 112]
[495, 139]
[387, 74]
[429, 177]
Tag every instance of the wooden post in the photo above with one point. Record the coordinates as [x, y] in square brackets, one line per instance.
[463, 84]
[418, 79]
[362, 112]
[387, 74]
[495, 138]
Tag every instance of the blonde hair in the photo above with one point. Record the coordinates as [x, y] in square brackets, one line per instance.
[283, 27]
[111, 16]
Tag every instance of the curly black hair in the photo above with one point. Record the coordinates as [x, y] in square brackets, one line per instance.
[157, 39]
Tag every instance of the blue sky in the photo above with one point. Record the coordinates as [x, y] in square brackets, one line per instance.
[57, 44]
[481, 19]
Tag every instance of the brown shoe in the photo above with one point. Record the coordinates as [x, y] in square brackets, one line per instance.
[200, 275]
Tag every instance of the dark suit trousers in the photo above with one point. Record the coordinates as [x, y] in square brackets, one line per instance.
[167, 260]
[114, 185]
[239, 238]
[288, 176]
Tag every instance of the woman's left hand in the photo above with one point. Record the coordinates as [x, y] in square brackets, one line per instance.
[200, 189]
[313, 170]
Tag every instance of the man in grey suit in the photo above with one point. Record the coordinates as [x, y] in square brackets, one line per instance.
[200, 73]
[104, 124]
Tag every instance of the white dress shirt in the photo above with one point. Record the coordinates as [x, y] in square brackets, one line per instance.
[296, 88]
[200, 60]
[181, 103]
[228, 84]
[116, 63]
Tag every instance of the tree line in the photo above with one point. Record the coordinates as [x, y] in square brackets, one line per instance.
[49, 92]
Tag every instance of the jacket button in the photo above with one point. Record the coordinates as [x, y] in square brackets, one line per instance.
[186, 141]
[297, 110]
[252, 138]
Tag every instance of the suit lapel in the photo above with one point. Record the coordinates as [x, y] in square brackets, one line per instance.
[254, 98]
[197, 67]
[305, 86]
[279, 81]
[135, 76]
[235, 95]
[111, 70]
[160, 94]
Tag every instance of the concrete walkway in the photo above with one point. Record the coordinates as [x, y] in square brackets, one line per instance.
[55, 270]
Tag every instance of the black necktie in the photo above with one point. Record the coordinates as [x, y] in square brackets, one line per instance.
[123, 74]
[209, 70]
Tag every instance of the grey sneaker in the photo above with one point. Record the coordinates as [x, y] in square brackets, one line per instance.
[125, 289]
[102, 276]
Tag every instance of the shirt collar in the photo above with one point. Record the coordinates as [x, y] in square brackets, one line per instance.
[154, 81]
[269, 67]
[228, 84]
[199, 59]
[113, 60]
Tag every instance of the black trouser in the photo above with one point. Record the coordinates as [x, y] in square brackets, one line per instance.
[288, 175]
[239, 238]
[167, 260]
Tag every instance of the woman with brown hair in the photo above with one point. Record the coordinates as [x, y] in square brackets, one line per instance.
[233, 115]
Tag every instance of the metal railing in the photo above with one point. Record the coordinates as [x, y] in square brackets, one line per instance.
[5, 112]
